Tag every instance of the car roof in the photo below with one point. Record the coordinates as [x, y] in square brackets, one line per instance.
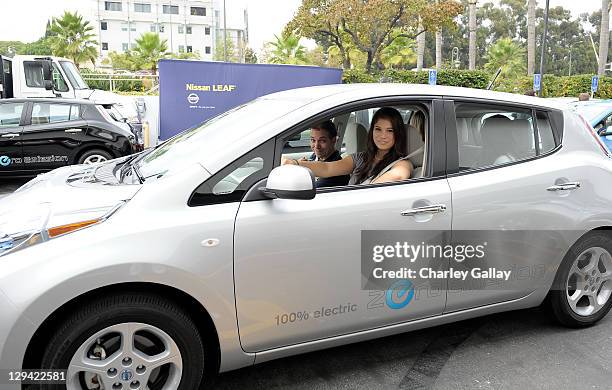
[369, 90]
[49, 100]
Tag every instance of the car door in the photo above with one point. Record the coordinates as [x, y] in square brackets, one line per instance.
[52, 135]
[298, 263]
[504, 172]
[11, 119]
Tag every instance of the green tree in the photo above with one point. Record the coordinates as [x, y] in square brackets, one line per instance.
[288, 50]
[507, 55]
[186, 56]
[249, 56]
[399, 54]
[125, 61]
[369, 23]
[150, 48]
[232, 53]
[9, 48]
[72, 37]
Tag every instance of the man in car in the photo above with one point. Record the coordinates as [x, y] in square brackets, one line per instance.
[323, 137]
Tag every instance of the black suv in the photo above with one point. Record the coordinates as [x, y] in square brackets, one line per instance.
[37, 135]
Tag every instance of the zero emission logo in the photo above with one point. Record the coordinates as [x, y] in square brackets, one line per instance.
[400, 294]
[5, 161]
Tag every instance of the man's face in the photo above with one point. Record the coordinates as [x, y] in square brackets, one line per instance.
[321, 144]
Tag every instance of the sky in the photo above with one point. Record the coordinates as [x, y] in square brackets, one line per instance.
[24, 20]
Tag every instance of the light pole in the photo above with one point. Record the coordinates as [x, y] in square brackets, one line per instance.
[544, 37]
[472, 34]
[224, 34]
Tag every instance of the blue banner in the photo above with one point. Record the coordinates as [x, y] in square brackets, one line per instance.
[191, 92]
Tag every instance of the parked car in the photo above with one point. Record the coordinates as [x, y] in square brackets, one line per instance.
[41, 134]
[205, 254]
[599, 115]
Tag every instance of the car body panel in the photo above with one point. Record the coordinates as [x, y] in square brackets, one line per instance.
[249, 275]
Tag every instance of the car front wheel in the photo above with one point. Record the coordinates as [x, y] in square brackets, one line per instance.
[582, 292]
[128, 341]
[94, 156]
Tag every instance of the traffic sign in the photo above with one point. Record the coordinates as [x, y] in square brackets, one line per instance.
[537, 82]
[433, 77]
[594, 83]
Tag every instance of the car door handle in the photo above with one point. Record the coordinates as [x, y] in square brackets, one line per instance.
[433, 209]
[10, 135]
[72, 131]
[564, 187]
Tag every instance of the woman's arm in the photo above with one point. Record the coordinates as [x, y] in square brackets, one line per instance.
[401, 171]
[325, 169]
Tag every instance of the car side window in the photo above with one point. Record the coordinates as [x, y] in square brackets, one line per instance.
[10, 114]
[546, 139]
[59, 84]
[232, 182]
[491, 135]
[34, 74]
[75, 112]
[43, 113]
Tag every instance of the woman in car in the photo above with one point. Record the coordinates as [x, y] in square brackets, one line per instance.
[383, 161]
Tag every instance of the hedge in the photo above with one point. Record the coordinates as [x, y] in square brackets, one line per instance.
[553, 86]
[139, 85]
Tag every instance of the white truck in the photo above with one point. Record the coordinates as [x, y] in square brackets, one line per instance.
[26, 76]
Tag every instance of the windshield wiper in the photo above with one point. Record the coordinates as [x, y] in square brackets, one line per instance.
[136, 170]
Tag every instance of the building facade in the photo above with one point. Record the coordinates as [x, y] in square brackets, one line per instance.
[188, 26]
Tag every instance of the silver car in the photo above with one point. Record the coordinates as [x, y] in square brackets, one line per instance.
[205, 254]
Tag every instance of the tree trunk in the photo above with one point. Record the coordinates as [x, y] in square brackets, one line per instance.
[439, 48]
[420, 49]
[369, 61]
[531, 36]
[604, 37]
[472, 30]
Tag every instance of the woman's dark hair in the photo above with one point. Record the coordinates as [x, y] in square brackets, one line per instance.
[369, 168]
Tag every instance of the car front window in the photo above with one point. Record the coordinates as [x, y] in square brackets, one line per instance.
[73, 75]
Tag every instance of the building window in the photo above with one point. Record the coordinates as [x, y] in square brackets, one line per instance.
[124, 26]
[181, 49]
[103, 26]
[181, 29]
[161, 28]
[142, 7]
[132, 46]
[124, 46]
[112, 6]
[207, 50]
[189, 49]
[188, 29]
[153, 28]
[198, 11]
[170, 9]
[104, 45]
[207, 30]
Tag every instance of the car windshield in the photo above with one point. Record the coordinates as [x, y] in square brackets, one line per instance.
[73, 75]
[217, 133]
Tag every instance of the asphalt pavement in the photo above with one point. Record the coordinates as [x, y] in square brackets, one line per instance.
[514, 350]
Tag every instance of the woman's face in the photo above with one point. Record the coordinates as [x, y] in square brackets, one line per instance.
[384, 139]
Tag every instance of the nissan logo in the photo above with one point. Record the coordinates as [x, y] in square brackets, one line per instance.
[193, 98]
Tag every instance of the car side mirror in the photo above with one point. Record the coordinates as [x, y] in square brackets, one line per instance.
[290, 182]
[47, 74]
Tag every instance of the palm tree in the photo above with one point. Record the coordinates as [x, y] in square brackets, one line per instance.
[439, 48]
[507, 55]
[287, 50]
[604, 37]
[472, 32]
[420, 48]
[149, 50]
[531, 36]
[72, 37]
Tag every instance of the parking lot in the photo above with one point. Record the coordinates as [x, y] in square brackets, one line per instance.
[512, 350]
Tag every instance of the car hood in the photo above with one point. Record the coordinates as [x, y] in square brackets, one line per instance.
[69, 189]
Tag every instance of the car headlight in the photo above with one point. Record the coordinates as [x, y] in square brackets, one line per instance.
[21, 228]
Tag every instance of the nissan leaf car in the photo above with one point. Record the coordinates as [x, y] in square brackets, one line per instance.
[206, 254]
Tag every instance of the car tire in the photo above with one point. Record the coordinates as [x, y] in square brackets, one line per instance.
[160, 331]
[582, 291]
[94, 156]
